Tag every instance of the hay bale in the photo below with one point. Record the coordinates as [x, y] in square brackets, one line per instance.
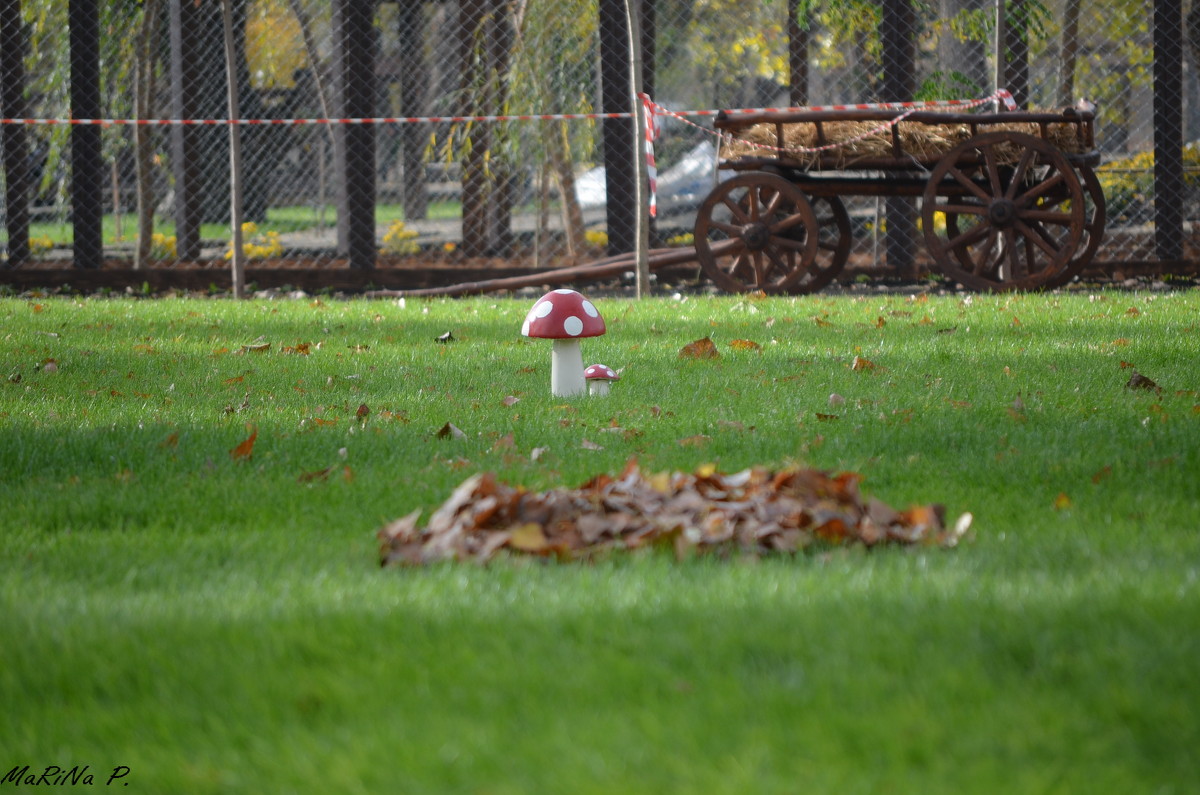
[859, 140]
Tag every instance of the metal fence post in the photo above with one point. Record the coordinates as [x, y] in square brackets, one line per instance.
[16, 150]
[354, 65]
[1168, 129]
[618, 135]
[87, 165]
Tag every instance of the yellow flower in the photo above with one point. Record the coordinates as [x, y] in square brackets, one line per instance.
[400, 240]
[40, 245]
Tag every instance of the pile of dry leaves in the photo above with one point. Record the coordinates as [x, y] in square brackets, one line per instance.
[753, 512]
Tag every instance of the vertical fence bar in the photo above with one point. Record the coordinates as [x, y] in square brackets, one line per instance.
[1169, 187]
[354, 38]
[87, 165]
[898, 37]
[15, 146]
[186, 154]
[618, 135]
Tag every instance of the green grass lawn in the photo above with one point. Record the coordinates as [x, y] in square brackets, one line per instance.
[218, 625]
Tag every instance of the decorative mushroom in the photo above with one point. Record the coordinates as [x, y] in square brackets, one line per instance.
[598, 377]
[564, 316]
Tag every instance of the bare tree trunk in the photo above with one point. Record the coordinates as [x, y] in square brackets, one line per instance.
[487, 194]
[967, 58]
[314, 62]
[1192, 36]
[1016, 43]
[143, 75]
[798, 43]
[559, 149]
[1069, 53]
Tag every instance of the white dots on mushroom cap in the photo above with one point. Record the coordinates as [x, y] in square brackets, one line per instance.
[601, 371]
[573, 325]
[563, 313]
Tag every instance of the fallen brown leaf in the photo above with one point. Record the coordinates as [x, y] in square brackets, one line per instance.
[1139, 381]
[309, 477]
[700, 349]
[528, 538]
[862, 364]
[245, 449]
[745, 345]
[450, 431]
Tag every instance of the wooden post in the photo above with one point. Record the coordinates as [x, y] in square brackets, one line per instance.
[16, 149]
[641, 184]
[87, 164]
[238, 260]
[354, 77]
[1000, 46]
[1169, 187]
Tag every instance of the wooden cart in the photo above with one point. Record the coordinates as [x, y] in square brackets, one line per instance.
[1008, 200]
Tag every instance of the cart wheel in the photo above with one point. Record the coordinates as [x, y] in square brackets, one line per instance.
[757, 231]
[1093, 227]
[833, 244]
[1013, 212]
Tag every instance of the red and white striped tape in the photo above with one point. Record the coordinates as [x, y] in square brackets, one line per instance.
[653, 115]
[1002, 95]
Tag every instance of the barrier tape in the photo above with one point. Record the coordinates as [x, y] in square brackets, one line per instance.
[653, 114]
[939, 103]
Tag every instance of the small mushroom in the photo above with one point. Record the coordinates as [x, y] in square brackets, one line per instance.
[598, 377]
[564, 316]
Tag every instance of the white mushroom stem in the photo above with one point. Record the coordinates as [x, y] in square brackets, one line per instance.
[566, 369]
[598, 386]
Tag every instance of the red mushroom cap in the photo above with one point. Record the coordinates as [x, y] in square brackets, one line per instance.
[563, 314]
[601, 372]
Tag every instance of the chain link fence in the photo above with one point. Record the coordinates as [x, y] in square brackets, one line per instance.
[503, 128]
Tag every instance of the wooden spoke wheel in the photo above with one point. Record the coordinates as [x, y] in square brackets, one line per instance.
[758, 231]
[1095, 219]
[1003, 211]
[833, 244]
